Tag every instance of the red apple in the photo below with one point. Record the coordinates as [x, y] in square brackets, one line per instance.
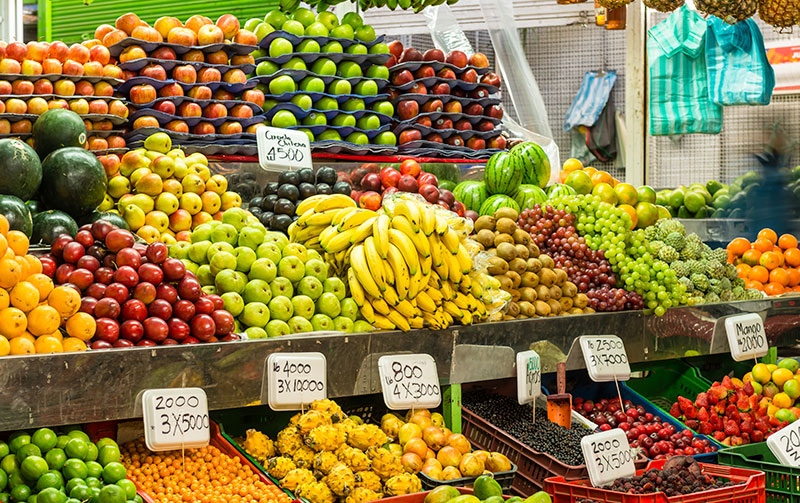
[457, 58]
[443, 123]
[463, 125]
[131, 330]
[425, 178]
[470, 76]
[496, 142]
[434, 137]
[424, 121]
[495, 112]
[425, 71]
[407, 109]
[484, 126]
[409, 135]
[476, 143]
[446, 73]
[491, 79]
[156, 329]
[203, 327]
[433, 106]
[479, 60]
[107, 330]
[429, 192]
[395, 48]
[434, 55]
[223, 321]
[440, 88]
[389, 177]
[371, 182]
[402, 77]
[453, 107]
[473, 109]
[370, 200]
[418, 88]
[410, 54]
[407, 183]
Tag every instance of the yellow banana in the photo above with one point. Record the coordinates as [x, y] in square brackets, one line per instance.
[356, 291]
[442, 269]
[425, 302]
[313, 243]
[464, 259]
[327, 233]
[334, 201]
[441, 225]
[425, 265]
[362, 231]
[323, 218]
[415, 285]
[339, 242]
[380, 231]
[462, 301]
[383, 323]
[309, 203]
[409, 210]
[416, 322]
[292, 230]
[419, 239]
[399, 320]
[451, 241]
[406, 309]
[451, 307]
[436, 251]
[401, 275]
[407, 249]
[342, 214]
[368, 313]
[301, 235]
[388, 272]
[358, 263]
[390, 295]
[375, 263]
[380, 306]
[356, 218]
[434, 294]
[453, 268]
[427, 219]
[447, 291]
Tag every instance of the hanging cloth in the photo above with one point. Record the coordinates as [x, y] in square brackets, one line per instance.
[590, 100]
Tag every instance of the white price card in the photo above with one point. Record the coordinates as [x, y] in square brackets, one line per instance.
[294, 380]
[175, 418]
[785, 444]
[608, 456]
[283, 148]
[605, 357]
[529, 376]
[746, 336]
[409, 381]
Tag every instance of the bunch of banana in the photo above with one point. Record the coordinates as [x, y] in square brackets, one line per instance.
[289, 6]
[417, 5]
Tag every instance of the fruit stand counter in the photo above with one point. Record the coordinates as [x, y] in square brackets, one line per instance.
[103, 385]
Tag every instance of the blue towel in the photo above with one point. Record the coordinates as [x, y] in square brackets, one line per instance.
[590, 100]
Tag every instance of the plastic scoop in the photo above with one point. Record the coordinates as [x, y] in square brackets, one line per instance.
[559, 406]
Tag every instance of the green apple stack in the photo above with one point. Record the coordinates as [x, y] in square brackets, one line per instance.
[319, 70]
[272, 287]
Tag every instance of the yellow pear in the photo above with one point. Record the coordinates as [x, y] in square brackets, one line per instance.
[150, 184]
[217, 183]
[140, 172]
[157, 219]
[197, 157]
[181, 169]
[176, 153]
[167, 203]
[194, 184]
[148, 233]
[144, 202]
[163, 166]
[173, 186]
[160, 142]
[134, 216]
[107, 203]
[118, 186]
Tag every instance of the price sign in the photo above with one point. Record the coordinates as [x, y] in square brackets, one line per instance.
[608, 456]
[409, 381]
[605, 357]
[282, 148]
[529, 376]
[175, 418]
[785, 444]
[746, 336]
[296, 379]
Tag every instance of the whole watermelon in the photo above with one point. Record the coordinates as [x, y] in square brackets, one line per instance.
[20, 169]
[48, 225]
[472, 193]
[73, 181]
[496, 202]
[535, 163]
[503, 173]
[559, 190]
[529, 195]
[17, 214]
[58, 128]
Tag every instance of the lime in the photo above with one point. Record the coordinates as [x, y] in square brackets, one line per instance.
[646, 194]
[16, 479]
[55, 458]
[112, 494]
[95, 495]
[137, 499]
[108, 454]
[540, 497]
[33, 467]
[77, 433]
[28, 450]
[3, 480]
[73, 483]
[9, 464]
[77, 448]
[50, 479]
[4, 450]
[45, 438]
[72, 500]
[94, 482]
[15, 442]
[792, 388]
[81, 492]
[789, 363]
[113, 472]
[75, 469]
[91, 452]
[5, 497]
[32, 499]
[129, 487]
[62, 441]
[106, 441]
[95, 469]
[20, 493]
[51, 495]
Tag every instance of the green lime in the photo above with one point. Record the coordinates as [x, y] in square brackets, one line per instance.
[106, 441]
[113, 472]
[75, 469]
[3, 480]
[94, 482]
[108, 454]
[138, 499]
[45, 438]
[72, 500]
[5, 498]
[73, 483]
[95, 469]
[129, 487]
[32, 499]
[28, 450]
[50, 479]
[16, 479]
[95, 495]
[77, 448]
[79, 434]
[15, 442]
[33, 467]
[62, 441]
[81, 492]
[4, 450]
[51, 495]
[91, 452]
[112, 494]
[9, 464]
[20, 493]
[55, 458]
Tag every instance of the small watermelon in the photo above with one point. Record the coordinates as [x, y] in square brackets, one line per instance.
[446, 184]
[529, 195]
[472, 193]
[496, 202]
[48, 225]
[58, 128]
[503, 173]
[559, 190]
[20, 169]
[535, 163]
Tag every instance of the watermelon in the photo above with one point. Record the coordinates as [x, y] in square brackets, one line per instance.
[17, 214]
[58, 128]
[20, 169]
[559, 190]
[35, 206]
[73, 181]
[496, 202]
[503, 173]
[529, 195]
[48, 225]
[445, 184]
[472, 193]
[535, 163]
[110, 216]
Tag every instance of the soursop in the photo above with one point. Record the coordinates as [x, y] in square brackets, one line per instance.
[725, 283]
[675, 240]
[726, 296]
[695, 267]
[667, 226]
[730, 271]
[700, 281]
[738, 292]
[655, 246]
[753, 294]
[691, 250]
[714, 286]
[651, 233]
[668, 254]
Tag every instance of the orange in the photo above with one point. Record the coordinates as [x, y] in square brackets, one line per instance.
[602, 177]
[742, 270]
[763, 245]
[57, 334]
[792, 257]
[589, 170]
[750, 257]
[562, 176]
[42, 283]
[738, 246]
[4, 226]
[73, 344]
[3, 245]
[780, 276]
[10, 272]
[18, 242]
[24, 296]
[768, 234]
[774, 289]
[5, 347]
[12, 322]
[47, 344]
[779, 252]
[21, 346]
[794, 276]
[24, 267]
[579, 181]
[631, 211]
[753, 284]
[66, 300]
[627, 193]
[43, 320]
[770, 260]
[787, 241]
[759, 273]
[34, 263]
[648, 214]
[81, 326]
[572, 164]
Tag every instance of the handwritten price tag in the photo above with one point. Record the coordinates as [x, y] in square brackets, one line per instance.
[605, 358]
[409, 381]
[746, 336]
[283, 148]
[175, 418]
[296, 379]
[529, 376]
[608, 456]
[785, 444]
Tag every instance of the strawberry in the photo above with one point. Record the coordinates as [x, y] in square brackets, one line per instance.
[702, 400]
[685, 404]
[731, 429]
[727, 383]
[757, 436]
[736, 441]
[720, 408]
[716, 422]
[693, 424]
[730, 409]
[702, 414]
[744, 416]
[706, 429]
[774, 422]
[675, 410]
[748, 388]
[746, 438]
[746, 426]
[754, 399]
[719, 436]
[762, 425]
[731, 398]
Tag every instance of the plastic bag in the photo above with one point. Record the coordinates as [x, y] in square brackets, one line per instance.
[590, 99]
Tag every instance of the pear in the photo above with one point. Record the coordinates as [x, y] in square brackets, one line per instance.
[159, 142]
[135, 216]
[118, 186]
[144, 202]
[150, 184]
[140, 172]
[163, 166]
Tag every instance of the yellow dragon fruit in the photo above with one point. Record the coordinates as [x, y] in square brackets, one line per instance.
[311, 420]
[362, 495]
[330, 408]
[324, 461]
[259, 445]
[369, 480]
[405, 483]
[365, 436]
[345, 425]
[297, 477]
[384, 463]
[325, 438]
[304, 457]
[288, 441]
[357, 460]
[316, 492]
[340, 479]
[294, 419]
[279, 466]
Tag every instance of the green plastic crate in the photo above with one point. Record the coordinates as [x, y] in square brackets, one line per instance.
[666, 380]
[782, 482]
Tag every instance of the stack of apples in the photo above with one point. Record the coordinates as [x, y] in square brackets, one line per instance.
[39, 76]
[137, 295]
[456, 109]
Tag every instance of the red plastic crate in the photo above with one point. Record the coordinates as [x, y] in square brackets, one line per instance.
[420, 497]
[750, 490]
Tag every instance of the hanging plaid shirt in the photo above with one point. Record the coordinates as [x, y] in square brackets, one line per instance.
[679, 98]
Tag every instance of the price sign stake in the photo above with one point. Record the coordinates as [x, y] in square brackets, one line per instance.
[409, 381]
[746, 336]
[175, 418]
[606, 359]
[296, 379]
[785, 444]
[608, 456]
[529, 378]
[283, 148]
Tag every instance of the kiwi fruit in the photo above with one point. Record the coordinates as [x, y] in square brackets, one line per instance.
[522, 251]
[522, 237]
[506, 251]
[497, 266]
[533, 250]
[514, 294]
[485, 237]
[542, 308]
[503, 238]
[555, 307]
[507, 317]
[492, 251]
[484, 222]
[527, 308]
[561, 276]
[513, 309]
[534, 265]
[547, 277]
[555, 292]
[569, 289]
[576, 310]
[542, 293]
[529, 279]
[507, 213]
[566, 303]
[518, 265]
[515, 279]
[527, 294]
[580, 300]
[547, 261]
[505, 282]
[506, 226]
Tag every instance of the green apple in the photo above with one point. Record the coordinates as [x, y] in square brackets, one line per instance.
[357, 49]
[339, 86]
[328, 304]
[198, 252]
[315, 119]
[266, 68]
[262, 30]
[361, 326]
[233, 302]
[220, 261]
[315, 267]
[280, 308]
[269, 250]
[349, 69]
[291, 268]
[281, 286]
[357, 138]
[324, 66]
[284, 119]
[310, 287]
[303, 101]
[317, 30]
[343, 324]
[282, 84]
[379, 48]
[299, 325]
[224, 233]
[263, 269]
[256, 333]
[385, 138]
[353, 19]
[312, 85]
[305, 16]
[367, 122]
[326, 103]
[255, 314]
[179, 250]
[268, 104]
[278, 238]
[365, 33]
[383, 107]
[312, 254]
[295, 250]
[303, 306]
[321, 322]
[295, 64]
[219, 247]
[335, 286]
[308, 46]
[259, 53]
[277, 328]
[343, 31]
[280, 46]
[349, 308]
[209, 289]
[366, 88]
[251, 236]
[229, 281]
[275, 18]
[252, 23]
[353, 105]
[245, 258]
[330, 134]
[333, 46]
[236, 217]
[190, 266]
[328, 18]
[257, 290]
[294, 27]
[308, 133]
[204, 275]
[344, 120]
[378, 72]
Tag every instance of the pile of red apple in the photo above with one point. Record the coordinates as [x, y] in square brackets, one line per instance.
[137, 294]
[371, 182]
